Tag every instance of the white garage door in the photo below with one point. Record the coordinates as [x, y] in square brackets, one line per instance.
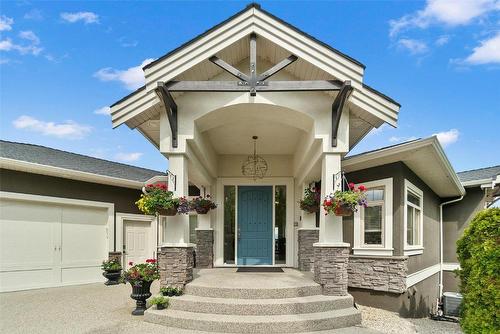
[46, 244]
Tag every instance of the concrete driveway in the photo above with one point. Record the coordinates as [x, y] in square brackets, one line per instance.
[91, 308]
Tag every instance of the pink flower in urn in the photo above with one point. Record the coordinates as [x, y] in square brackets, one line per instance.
[351, 186]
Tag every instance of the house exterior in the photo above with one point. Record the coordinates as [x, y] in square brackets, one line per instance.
[252, 75]
[61, 214]
[254, 84]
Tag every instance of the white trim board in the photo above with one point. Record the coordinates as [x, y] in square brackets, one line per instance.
[451, 266]
[31, 167]
[421, 275]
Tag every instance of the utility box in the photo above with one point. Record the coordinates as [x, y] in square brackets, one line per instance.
[452, 302]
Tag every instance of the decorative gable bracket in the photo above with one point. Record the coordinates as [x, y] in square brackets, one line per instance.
[253, 83]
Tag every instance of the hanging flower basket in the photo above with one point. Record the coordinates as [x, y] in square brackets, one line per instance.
[158, 200]
[202, 205]
[343, 211]
[168, 212]
[345, 203]
[310, 202]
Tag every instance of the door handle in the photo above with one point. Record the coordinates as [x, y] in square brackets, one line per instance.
[239, 233]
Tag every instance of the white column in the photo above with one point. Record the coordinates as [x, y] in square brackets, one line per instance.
[308, 219]
[330, 226]
[177, 228]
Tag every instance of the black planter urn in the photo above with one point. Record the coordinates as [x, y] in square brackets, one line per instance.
[113, 276]
[140, 293]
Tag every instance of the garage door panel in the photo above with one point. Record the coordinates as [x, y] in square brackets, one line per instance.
[26, 244]
[84, 215]
[84, 274]
[17, 280]
[29, 211]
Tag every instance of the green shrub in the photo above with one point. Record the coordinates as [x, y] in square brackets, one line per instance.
[479, 255]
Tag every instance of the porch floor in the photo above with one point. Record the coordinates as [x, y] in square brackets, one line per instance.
[229, 278]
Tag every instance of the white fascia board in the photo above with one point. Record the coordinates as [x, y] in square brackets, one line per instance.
[421, 275]
[278, 33]
[447, 164]
[359, 162]
[35, 168]
[483, 183]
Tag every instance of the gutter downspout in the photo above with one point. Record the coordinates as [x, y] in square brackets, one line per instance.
[441, 242]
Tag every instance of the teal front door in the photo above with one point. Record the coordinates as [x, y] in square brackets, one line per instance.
[255, 225]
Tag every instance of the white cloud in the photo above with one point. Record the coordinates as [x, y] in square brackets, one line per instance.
[30, 36]
[7, 45]
[414, 46]
[128, 157]
[448, 12]
[66, 130]
[487, 52]
[447, 137]
[132, 77]
[103, 111]
[34, 14]
[85, 17]
[6, 23]
[395, 139]
[442, 40]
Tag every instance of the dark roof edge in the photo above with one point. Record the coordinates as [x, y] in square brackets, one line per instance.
[256, 6]
[82, 155]
[373, 90]
[477, 169]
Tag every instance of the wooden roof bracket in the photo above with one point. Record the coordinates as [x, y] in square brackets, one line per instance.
[338, 107]
[170, 108]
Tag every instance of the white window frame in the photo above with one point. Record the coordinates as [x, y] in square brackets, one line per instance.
[386, 248]
[419, 248]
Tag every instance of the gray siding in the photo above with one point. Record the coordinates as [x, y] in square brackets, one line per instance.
[399, 172]
[35, 184]
[457, 216]
[417, 302]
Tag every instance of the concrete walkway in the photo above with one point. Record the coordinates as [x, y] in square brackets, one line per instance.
[92, 308]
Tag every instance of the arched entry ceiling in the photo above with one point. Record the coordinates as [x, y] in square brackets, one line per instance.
[230, 129]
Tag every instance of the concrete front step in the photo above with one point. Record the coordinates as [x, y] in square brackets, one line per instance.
[296, 305]
[252, 293]
[295, 323]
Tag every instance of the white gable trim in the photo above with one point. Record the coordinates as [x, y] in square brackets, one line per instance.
[239, 27]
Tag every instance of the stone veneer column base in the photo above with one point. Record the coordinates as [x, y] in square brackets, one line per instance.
[330, 269]
[175, 264]
[306, 238]
[204, 248]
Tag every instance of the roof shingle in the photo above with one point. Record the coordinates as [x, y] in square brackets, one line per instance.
[52, 157]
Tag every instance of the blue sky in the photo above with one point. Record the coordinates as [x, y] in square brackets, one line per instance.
[62, 63]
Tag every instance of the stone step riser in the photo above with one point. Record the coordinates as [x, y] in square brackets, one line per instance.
[271, 326]
[253, 293]
[259, 309]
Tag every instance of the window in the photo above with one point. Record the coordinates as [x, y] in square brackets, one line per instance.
[413, 219]
[279, 224]
[373, 224]
[229, 223]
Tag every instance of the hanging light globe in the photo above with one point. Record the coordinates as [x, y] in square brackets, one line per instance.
[255, 166]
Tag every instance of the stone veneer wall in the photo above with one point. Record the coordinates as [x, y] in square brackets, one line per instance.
[204, 248]
[306, 239]
[378, 273]
[176, 266]
[330, 269]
